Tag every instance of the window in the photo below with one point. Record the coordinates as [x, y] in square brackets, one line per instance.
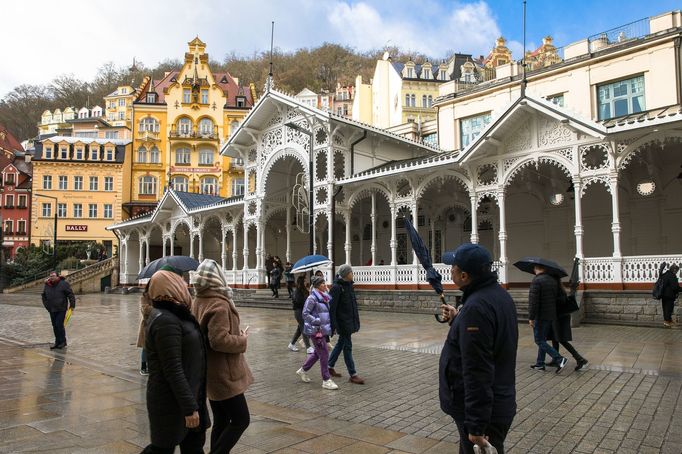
[124, 91]
[9, 179]
[238, 186]
[180, 183]
[233, 126]
[184, 126]
[149, 124]
[61, 210]
[410, 73]
[430, 101]
[77, 210]
[80, 153]
[147, 185]
[113, 134]
[425, 102]
[142, 155]
[206, 157]
[110, 154]
[182, 156]
[47, 210]
[241, 101]
[9, 225]
[48, 153]
[556, 99]
[121, 102]
[78, 183]
[621, 98]
[443, 74]
[21, 227]
[108, 183]
[204, 96]
[22, 201]
[206, 126]
[92, 210]
[94, 154]
[47, 181]
[108, 211]
[413, 100]
[154, 156]
[472, 127]
[339, 111]
[9, 201]
[209, 185]
[407, 100]
[63, 182]
[63, 153]
[121, 115]
[94, 183]
[187, 96]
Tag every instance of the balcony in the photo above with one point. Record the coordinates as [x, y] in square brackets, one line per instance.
[149, 136]
[9, 206]
[193, 135]
[7, 232]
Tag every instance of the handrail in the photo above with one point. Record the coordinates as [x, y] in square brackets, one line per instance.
[74, 277]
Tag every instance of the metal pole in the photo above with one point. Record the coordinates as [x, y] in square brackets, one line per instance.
[310, 194]
[54, 240]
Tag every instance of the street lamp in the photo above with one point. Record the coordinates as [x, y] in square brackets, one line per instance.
[54, 241]
[310, 182]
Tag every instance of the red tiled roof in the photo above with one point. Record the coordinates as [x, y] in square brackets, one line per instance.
[8, 141]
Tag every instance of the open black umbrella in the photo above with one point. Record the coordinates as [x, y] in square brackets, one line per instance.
[181, 263]
[527, 264]
[424, 256]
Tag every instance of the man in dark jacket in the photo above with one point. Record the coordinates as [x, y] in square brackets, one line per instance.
[670, 288]
[542, 298]
[478, 362]
[57, 298]
[345, 321]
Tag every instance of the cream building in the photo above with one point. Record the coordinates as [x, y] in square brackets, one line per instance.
[119, 106]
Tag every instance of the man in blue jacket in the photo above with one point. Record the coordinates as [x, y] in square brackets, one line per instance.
[477, 371]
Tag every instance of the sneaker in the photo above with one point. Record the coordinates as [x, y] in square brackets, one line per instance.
[329, 384]
[560, 366]
[537, 366]
[333, 373]
[357, 380]
[667, 324]
[292, 347]
[304, 375]
[310, 350]
[581, 363]
[144, 371]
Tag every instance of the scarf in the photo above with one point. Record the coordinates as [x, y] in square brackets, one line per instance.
[209, 276]
[324, 296]
[168, 286]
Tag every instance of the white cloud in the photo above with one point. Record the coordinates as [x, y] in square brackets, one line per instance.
[44, 38]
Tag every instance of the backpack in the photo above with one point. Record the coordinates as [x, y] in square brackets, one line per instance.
[657, 291]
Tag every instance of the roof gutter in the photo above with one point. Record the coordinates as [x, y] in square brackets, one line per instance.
[352, 151]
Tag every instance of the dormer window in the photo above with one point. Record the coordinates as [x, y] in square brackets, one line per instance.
[94, 154]
[110, 154]
[124, 91]
[48, 153]
[63, 153]
[241, 101]
[79, 153]
[443, 74]
[410, 73]
[151, 98]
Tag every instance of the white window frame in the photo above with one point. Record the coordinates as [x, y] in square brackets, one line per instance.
[209, 185]
[206, 126]
[471, 127]
[92, 210]
[154, 155]
[237, 186]
[77, 210]
[204, 96]
[184, 126]
[142, 155]
[206, 157]
[108, 184]
[94, 179]
[183, 152]
[186, 96]
[147, 185]
[63, 182]
[61, 210]
[77, 183]
[180, 183]
[47, 182]
[631, 91]
[46, 210]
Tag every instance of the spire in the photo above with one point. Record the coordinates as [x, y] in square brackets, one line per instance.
[269, 82]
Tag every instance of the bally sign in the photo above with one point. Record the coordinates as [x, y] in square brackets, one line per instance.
[76, 228]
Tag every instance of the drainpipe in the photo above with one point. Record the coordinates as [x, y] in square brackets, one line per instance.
[677, 71]
[352, 151]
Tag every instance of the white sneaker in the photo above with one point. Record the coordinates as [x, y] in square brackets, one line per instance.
[292, 347]
[304, 375]
[310, 349]
[329, 384]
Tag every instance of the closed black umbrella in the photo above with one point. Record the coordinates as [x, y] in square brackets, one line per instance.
[181, 263]
[527, 264]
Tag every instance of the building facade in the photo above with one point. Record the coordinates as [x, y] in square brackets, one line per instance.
[15, 195]
[179, 123]
[80, 185]
[119, 107]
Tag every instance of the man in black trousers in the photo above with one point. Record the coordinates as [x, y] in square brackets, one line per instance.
[57, 298]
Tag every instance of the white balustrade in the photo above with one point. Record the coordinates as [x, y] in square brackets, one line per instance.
[598, 269]
[645, 268]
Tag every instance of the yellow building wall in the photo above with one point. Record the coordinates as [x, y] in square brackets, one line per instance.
[139, 170]
[419, 89]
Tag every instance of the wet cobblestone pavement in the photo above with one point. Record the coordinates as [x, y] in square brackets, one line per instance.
[90, 397]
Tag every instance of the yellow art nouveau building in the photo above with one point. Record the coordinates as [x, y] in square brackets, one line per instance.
[179, 123]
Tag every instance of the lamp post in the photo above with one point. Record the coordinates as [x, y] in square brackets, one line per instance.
[54, 240]
[310, 182]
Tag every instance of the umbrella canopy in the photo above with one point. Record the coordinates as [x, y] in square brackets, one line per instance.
[181, 263]
[309, 262]
[527, 264]
[424, 256]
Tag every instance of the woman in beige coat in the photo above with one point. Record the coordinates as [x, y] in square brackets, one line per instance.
[228, 374]
[145, 309]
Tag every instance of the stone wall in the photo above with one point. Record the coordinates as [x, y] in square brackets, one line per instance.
[625, 308]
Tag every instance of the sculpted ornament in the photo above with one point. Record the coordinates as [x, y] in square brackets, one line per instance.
[553, 133]
[520, 140]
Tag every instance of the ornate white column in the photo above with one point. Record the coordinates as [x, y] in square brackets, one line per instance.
[578, 230]
[234, 249]
[201, 246]
[474, 218]
[348, 246]
[246, 247]
[502, 236]
[373, 218]
[191, 244]
[330, 234]
[163, 242]
[124, 262]
[140, 257]
[259, 245]
[615, 228]
[288, 231]
[146, 255]
[432, 236]
[172, 243]
[415, 220]
[394, 242]
[223, 249]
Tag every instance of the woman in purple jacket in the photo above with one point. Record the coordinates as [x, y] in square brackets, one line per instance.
[317, 325]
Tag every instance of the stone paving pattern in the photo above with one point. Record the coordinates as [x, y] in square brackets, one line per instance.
[90, 397]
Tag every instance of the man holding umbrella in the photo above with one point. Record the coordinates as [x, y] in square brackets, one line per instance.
[477, 370]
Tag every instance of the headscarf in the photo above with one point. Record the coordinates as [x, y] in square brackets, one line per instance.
[168, 286]
[209, 276]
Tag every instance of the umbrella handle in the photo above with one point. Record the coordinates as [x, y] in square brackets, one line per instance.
[439, 317]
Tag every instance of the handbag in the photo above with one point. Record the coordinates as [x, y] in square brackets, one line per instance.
[567, 305]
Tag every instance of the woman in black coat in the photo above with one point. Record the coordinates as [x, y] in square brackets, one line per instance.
[176, 359]
[298, 301]
[560, 332]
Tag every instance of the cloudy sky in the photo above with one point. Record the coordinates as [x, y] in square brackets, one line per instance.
[45, 38]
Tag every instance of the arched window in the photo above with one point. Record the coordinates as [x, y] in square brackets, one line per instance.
[182, 156]
[142, 155]
[407, 100]
[233, 126]
[209, 185]
[424, 101]
[149, 124]
[206, 157]
[206, 126]
[154, 155]
[180, 183]
[413, 100]
[147, 185]
[184, 126]
[430, 101]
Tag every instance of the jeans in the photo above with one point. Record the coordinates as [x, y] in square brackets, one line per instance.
[321, 353]
[57, 319]
[298, 314]
[143, 359]
[495, 431]
[230, 420]
[344, 343]
[540, 330]
[193, 443]
[668, 305]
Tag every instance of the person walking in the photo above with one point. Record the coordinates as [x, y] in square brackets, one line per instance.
[176, 358]
[289, 277]
[317, 325]
[542, 313]
[670, 289]
[145, 310]
[275, 277]
[269, 260]
[228, 374]
[345, 321]
[560, 332]
[477, 368]
[57, 298]
[301, 293]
